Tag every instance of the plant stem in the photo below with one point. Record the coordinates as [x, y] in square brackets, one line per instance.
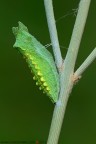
[53, 32]
[86, 63]
[67, 72]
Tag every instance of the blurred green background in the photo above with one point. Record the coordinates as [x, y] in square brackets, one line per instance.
[25, 113]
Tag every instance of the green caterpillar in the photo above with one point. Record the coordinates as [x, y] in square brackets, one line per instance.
[39, 60]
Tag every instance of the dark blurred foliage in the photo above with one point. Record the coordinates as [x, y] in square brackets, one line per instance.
[25, 113]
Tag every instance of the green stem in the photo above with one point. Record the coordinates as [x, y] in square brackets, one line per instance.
[86, 64]
[67, 72]
[53, 32]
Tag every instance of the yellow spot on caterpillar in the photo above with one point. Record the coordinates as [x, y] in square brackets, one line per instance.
[34, 78]
[31, 58]
[45, 84]
[39, 73]
[40, 88]
[44, 92]
[27, 54]
[35, 66]
[33, 63]
[47, 89]
[42, 79]
[37, 83]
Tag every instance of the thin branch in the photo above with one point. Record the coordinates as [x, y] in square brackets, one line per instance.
[78, 31]
[85, 64]
[67, 72]
[53, 32]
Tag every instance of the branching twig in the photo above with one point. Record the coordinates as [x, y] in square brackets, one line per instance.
[53, 32]
[85, 64]
[69, 63]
